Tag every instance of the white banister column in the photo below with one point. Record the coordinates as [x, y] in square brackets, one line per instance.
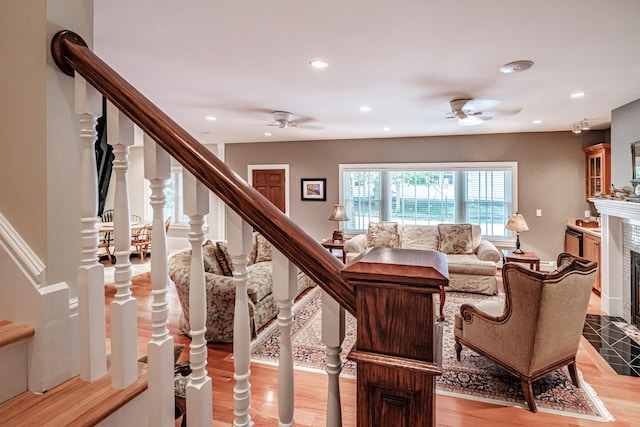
[333, 331]
[284, 291]
[157, 169]
[91, 306]
[240, 239]
[124, 313]
[199, 393]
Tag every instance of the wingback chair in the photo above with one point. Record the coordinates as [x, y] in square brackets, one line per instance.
[537, 328]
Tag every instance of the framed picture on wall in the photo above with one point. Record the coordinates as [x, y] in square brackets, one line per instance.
[314, 189]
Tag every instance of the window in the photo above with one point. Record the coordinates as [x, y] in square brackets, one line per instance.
[173, 191]
[475, 193]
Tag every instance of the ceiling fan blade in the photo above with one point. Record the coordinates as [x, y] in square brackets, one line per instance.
[470, 121]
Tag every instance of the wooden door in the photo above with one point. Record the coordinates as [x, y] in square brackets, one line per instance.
[271, 184]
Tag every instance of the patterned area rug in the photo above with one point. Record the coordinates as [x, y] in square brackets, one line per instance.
[474, 377]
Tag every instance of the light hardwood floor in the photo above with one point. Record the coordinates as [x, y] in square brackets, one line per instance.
[620, 394]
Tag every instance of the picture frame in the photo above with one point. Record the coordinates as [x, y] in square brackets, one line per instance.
[313, 189]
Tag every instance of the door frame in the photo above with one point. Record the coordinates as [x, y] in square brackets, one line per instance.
[287, 182]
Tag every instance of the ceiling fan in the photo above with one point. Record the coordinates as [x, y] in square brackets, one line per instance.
[467, 111]
[284, 119]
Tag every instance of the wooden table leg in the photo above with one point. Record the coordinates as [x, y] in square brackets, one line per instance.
[443, 296]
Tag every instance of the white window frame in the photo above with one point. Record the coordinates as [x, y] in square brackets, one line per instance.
[455, 167]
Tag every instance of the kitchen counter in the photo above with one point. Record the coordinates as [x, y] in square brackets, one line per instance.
[571, 223]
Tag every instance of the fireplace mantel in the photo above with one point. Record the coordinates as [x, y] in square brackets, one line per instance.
[615, 217]
[618, 208]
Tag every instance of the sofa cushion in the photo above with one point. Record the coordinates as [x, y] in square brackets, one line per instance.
[260, 282]
[455, 238]
[382, 235]
[470, 264]
[224, 259]
[420, 237]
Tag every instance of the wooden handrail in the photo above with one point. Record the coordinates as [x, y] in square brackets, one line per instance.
[71, 53]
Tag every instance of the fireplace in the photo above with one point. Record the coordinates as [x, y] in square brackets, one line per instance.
[635, 288]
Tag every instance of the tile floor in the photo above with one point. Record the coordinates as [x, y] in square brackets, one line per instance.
[616, 341]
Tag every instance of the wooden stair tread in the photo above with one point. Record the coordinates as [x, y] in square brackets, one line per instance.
[74, 402]
[11, 332]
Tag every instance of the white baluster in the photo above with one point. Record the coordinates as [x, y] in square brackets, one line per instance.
[91, 307]
[333, 331]
[124, 316]
[124, 320]
[284, 291]
[160, 348]
[199, 393]
[240, 244]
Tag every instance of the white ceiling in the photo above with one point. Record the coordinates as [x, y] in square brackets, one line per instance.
[406, 59]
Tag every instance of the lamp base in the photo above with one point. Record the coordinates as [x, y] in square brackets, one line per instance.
[517, 250]
[338, 235]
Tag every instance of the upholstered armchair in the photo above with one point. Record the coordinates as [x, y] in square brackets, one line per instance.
[537, 328]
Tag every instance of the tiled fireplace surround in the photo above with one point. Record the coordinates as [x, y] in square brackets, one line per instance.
[620, 222]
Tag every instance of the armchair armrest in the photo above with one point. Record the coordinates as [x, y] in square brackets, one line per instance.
[220, 286]
[487, 251]
[492, 311]
[356, 244]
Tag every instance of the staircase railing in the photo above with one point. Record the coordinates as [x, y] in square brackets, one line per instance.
[396, 349]
[249, 209]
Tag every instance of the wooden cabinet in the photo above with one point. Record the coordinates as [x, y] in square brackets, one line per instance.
[591, 249]
[598, 169]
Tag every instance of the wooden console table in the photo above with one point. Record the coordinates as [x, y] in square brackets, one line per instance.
[398, 347]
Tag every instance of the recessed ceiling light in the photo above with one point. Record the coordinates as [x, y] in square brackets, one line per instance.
[516, 67]
[578, 95]
[267, 134]
[211, 118]
[365, 108]
[386, 129]
[318, 63]
[537, 122]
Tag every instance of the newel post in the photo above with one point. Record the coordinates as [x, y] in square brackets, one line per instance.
[398, 343]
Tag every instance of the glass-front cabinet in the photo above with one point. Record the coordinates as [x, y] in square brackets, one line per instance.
[598, 169]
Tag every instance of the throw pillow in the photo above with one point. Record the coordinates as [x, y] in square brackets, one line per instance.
[224, 259]
[382, 235]
[455, 238]
[262, 248]
[209, 258]
[420, 237]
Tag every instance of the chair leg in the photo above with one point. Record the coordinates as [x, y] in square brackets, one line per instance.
[443, 296]
[458, 348]
[573, 373]
[527, 390]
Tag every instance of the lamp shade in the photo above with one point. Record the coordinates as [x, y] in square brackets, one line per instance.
[517, 223]
[338, 214]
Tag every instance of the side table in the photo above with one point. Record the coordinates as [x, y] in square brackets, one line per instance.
[337, 245]
[526, 258]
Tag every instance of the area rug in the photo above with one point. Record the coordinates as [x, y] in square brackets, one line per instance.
[474, 377]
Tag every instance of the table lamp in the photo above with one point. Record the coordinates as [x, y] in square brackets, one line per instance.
[518, 224]
[338, 214]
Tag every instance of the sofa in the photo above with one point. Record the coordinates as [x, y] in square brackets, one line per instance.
[221, 291]
[471, 259]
